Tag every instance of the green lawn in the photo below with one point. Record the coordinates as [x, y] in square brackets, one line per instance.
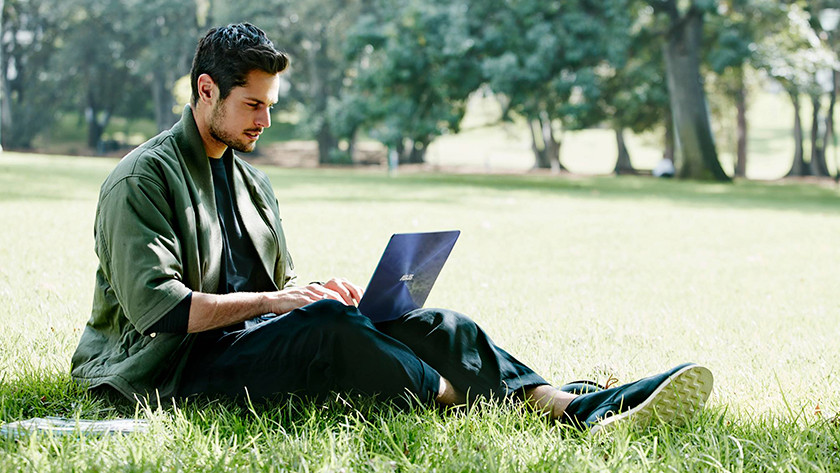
[579, 277]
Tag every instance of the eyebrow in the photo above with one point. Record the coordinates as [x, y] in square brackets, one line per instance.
[259, 101]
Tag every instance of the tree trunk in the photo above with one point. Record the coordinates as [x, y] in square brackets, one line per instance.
[798, 167]
[696, 156]
[6, 118]
[400, 151]
[319, 70]
[540, 158]
[669, 135]
[404, 150]
[96, 128]
[351, 146]
[829, 137]
[623, 165]
[411, 151]
[417, 154]
[817, 165]
[741, 106]
[552, 146]
[96, 120]
[163, 99]
[326, 143]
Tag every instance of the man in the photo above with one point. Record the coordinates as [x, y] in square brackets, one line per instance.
[194, 270]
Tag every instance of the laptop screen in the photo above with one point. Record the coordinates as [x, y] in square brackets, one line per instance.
[406, 273]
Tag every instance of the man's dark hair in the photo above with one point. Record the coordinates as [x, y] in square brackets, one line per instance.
[228, 54]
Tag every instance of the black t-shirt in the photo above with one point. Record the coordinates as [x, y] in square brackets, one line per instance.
[242, 269]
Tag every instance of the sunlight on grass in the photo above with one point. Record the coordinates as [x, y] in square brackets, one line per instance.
[579, 277]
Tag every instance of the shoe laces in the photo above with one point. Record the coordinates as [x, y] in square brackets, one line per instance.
[611, 382]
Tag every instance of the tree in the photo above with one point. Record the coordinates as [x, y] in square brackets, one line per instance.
[31, 88]
[635, 96]
[171, 31]
[792, 55]
[314, 34]
[99, 54]
[547, 61]
[696, 155]
[732, 33]
[99, 58]
[417, 67]
[824, 18]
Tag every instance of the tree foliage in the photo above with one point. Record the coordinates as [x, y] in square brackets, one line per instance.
[99, 58]
[314, 34]
[731, 33]
[635, 95]
[416, 65]
[549, 60]
[794, 56]
[401, 71]
[30, 92]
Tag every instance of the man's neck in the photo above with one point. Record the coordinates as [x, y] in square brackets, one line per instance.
[212, 147]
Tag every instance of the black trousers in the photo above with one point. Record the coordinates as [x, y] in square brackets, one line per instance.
[329, 347]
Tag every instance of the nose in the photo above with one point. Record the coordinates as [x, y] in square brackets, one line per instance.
[263, 119]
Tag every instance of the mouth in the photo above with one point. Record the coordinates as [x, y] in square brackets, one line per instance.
[253, 134]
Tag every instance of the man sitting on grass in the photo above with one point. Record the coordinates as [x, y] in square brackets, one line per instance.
[191, 247]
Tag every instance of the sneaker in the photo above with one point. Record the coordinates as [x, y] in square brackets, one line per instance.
[586, 386]
[671, 397]
[583, 386]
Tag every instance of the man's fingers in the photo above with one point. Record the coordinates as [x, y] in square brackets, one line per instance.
[322, 292]
[346, 290]
[355, 292]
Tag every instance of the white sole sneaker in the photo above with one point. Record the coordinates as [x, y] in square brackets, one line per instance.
[675, 401]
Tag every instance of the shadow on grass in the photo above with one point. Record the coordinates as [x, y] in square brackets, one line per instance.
[346, 186]
[79, 179]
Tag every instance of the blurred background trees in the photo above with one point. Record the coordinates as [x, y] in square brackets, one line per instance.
[403, 73]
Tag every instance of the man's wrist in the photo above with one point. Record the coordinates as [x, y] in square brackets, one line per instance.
[266, 302]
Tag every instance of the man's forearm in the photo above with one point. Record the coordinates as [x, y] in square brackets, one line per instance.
[212, 311]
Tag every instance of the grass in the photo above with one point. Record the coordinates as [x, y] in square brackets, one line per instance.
[580, 277]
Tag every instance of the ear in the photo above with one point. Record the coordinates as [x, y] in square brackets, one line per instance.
[208, 91]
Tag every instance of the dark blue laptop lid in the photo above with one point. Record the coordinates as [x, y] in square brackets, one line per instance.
[406, 273]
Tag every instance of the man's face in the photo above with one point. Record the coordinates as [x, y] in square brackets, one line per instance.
[238, 120]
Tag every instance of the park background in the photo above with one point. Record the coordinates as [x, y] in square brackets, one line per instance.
[491, 85]
[504, 116]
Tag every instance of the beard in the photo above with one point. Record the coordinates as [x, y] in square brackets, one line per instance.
[217, 131]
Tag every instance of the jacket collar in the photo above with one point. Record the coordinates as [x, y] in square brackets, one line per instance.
[195, 158]
[191, 148]
[189, 142]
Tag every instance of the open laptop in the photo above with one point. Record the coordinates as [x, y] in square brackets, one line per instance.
[405, 274]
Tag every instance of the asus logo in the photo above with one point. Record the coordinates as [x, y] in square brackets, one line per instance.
[407, 277]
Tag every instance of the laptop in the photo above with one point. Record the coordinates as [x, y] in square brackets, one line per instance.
[406, 273]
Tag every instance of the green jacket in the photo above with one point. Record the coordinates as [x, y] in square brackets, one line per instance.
[158, 238]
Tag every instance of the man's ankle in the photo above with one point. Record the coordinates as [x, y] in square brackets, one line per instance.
[448, 395]
[548, 399]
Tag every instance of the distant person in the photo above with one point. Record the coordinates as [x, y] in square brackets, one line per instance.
[190, 247]
[664, 168]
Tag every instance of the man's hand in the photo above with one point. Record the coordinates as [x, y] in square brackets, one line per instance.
[211, 311]
[350, 293]
[295, 297]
